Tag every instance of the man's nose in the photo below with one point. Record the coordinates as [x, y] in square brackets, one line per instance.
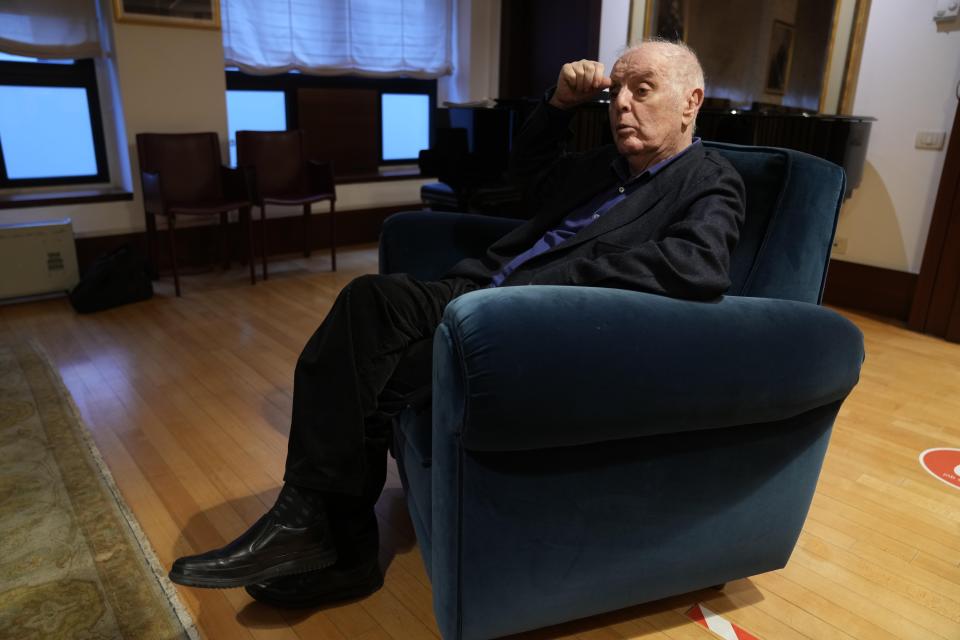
[622, 100]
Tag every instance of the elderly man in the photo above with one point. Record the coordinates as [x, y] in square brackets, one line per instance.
[655, 212]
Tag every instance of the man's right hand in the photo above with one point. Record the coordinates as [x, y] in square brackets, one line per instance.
[579, 82]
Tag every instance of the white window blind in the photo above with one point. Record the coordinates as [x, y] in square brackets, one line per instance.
[49, 29]
[378, 38]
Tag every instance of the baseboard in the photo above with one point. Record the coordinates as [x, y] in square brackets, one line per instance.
[860, 287]
[199, 245]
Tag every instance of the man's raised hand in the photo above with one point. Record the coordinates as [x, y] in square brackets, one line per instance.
[579, 82]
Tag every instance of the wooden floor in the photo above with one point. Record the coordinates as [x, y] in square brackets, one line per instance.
[189, 401]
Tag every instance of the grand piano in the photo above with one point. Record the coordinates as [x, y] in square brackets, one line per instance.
[472, 145]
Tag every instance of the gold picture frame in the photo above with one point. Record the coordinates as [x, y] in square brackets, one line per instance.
[780, 57]
[197, 14]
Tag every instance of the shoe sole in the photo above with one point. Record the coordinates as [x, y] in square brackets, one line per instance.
[288, 568]
[349, 593]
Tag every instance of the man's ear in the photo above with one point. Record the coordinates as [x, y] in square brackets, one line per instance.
[691, 105]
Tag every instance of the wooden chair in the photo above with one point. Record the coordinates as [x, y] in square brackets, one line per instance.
[182, 174]
[283, 175]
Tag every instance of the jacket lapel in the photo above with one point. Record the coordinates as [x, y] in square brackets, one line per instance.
[623, 213]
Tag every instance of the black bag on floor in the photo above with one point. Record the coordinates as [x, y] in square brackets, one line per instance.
[116, 278]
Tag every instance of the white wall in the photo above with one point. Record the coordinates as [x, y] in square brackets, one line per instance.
[908, 78]
[614, 21]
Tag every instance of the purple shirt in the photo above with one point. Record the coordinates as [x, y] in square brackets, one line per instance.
[589, 212]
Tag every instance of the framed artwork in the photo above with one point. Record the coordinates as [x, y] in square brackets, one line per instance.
[202, 14]
[781, 53]
[664, 19]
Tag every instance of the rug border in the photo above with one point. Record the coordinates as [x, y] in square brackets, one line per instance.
[160, 575]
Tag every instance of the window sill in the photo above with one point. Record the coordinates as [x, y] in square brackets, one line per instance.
[54, 198]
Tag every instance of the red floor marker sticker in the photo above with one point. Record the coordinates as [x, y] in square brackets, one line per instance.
[718, 624]
[943, 464]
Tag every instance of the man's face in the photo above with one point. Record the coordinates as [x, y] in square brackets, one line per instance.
[646, 112]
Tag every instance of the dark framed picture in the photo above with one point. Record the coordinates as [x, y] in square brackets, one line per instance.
[664, 19]
[781, 53]
[203, 14]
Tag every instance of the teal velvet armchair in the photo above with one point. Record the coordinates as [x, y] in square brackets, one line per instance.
[686, 448]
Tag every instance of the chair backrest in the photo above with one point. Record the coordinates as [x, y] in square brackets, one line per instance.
[277, 158]
[793, 200]
[188, 163]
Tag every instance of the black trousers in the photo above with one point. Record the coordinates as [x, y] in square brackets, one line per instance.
[357, 371]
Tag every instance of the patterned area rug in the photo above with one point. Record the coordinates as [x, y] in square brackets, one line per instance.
[73, 561]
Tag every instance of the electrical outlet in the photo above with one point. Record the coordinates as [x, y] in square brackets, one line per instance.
[931, 140]
[839, 245]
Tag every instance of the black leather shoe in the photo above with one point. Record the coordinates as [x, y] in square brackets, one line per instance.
[343, 581]
[267, 550]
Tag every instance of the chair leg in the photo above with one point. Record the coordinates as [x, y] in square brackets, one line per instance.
[247, 214]
[263, 237]
[153, 251]
[333, 237]
[223, 232]
[306, 230]
[171, 227]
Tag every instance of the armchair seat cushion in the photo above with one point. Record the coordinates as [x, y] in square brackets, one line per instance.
[415, 427]
[412, 442]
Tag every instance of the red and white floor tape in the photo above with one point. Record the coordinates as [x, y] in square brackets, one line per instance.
[718, 624]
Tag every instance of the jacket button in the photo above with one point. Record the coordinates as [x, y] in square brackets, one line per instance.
[620, 189]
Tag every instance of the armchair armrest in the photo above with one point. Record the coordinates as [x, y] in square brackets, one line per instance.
[152, 192]
[547, 366]
[238, 183]
[320, 178]
[426, 244]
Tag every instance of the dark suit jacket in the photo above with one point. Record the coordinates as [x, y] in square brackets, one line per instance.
[672, 236]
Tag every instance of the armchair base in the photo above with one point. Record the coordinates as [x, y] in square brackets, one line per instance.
[519, 540]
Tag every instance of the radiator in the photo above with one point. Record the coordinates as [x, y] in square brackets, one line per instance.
[37, 258]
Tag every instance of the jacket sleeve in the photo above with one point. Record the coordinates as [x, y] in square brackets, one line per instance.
[689, 259]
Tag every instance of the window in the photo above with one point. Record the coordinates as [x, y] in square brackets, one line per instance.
[51, 130]
[254, 111]
[374, 38]
[399, 117]
[404, 125]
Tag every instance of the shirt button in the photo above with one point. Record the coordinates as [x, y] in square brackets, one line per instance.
[620, 189]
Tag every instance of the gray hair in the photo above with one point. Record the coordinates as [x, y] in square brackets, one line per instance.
[687, 73]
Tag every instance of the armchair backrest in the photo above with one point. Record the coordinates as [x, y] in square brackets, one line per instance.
[188, 164]
[793, 200]
[277, 158]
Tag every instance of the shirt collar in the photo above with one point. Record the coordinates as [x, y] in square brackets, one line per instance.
[622, 168]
